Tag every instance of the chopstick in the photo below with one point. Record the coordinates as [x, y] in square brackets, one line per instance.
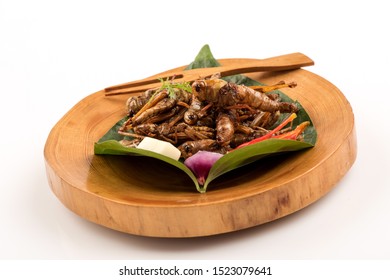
[278, 63]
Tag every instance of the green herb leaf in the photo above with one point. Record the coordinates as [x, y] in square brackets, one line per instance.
[109, 143]
[113, 147]
[170, 86]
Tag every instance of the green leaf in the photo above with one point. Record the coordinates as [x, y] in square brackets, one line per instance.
[109, 144]
[170, 86]
[113, 147]
[251, 153]
[204, 59]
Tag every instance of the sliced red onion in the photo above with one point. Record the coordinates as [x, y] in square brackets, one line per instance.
[201, 163]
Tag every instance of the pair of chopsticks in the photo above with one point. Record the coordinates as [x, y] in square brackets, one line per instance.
[278, 63]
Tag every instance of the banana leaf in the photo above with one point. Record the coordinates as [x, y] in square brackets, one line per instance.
[109, 143]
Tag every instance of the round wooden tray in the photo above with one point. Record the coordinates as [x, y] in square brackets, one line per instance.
[144, 196]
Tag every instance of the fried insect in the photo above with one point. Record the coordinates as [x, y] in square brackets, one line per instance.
[229, 95]
[225, 127]
[190, 148]
[173, 134]
[135, 103]
[166, 103]
[210, 115]
[193, 113]
[265, 119]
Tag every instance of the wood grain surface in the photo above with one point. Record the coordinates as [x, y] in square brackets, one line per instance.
[144, 196]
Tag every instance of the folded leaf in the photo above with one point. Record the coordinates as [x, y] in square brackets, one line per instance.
[109, 143]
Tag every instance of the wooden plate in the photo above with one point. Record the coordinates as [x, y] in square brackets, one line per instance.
[144, 196]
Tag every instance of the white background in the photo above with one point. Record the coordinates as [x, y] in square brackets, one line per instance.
[54, 53]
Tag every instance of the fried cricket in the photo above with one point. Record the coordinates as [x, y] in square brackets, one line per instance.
[210, 115]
